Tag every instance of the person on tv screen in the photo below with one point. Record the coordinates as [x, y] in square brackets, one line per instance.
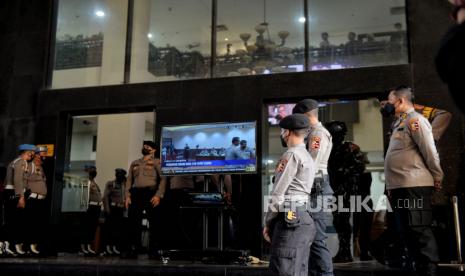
[246, 152]
[232, 152]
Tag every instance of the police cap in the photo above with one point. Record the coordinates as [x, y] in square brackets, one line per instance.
[120, 170]
[26, 147]
[295, 121]
[150, 144]
[305, 106]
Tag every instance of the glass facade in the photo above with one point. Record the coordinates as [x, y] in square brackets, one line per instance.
[256, 37]
[361, 33]
[173, 39]
[90, 43]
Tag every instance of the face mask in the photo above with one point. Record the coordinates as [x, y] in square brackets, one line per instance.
[92, 174]
[388, 110]
[145, 151]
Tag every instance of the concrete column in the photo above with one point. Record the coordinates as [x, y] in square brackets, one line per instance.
[140, 42]
[114, 42]
[119, 142]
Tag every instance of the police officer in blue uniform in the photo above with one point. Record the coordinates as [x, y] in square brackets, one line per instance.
[288, 225]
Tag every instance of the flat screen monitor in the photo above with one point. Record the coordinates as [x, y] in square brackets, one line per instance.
[216, 148]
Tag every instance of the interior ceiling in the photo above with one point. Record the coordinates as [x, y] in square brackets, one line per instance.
[89, 124]
[186, 23]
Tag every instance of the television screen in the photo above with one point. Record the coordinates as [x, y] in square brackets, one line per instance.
[215, 148]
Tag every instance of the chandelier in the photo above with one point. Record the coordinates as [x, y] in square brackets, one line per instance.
[264, 54]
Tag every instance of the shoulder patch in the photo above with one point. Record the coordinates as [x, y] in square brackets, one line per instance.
[315, 142]
[281, 165]
[414, 124]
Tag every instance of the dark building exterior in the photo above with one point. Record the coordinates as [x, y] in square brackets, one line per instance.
[31, 112]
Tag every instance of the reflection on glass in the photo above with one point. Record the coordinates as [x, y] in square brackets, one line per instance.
[350, 34]
[171, 40]
[259, 37]
[90, 43]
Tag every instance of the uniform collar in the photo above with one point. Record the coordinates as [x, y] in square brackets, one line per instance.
[404, 115]
[299, 145]
[319, 124]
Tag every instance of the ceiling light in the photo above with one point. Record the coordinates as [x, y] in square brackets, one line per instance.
[100, 13]
[149, 35]
[302, 19]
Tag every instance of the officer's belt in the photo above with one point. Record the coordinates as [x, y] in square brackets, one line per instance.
[299, 203]
[114, 204]
[36, 195]
[95, 203]
[9, 187]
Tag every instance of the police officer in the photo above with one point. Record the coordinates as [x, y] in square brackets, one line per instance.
[319, 146]
[36, 208]
[439, 119]
[113, 204]
[92, 215]
[145, 187]
[291, 231]
[17, 175]
[412, 169]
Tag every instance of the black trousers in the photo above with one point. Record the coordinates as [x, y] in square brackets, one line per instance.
[140, 202]
[114, 226]
[90, 223]
[36, 220]
[413, 217]
[14, 219]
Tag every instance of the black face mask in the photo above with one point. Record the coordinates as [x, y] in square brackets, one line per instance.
[388, 110]
[92, 174]
[145, 151]
[283, 142]
[120, 178]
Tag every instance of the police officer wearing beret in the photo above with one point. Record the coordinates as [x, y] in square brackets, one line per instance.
[113, 205]
[36, 207]
[412, 170]
[319, 144]
[17, 175]
[145, 187]
[288, 225]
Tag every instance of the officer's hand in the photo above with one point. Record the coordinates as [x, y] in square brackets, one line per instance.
[266, 236]
[437, 185]
[155, 201]
[21, 202]
[127, 202]
[280, 167]
[227, 198]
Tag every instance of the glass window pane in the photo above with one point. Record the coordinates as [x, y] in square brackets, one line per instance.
[259, 37]
[171, 40]
[360, 33]
[90, 43]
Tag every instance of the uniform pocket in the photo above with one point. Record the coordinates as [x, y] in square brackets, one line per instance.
[420, 218]
[149, 170]
[282, 260]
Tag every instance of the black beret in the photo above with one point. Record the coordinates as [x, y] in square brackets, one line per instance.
[305, 106]
[295, 121]
[150, 144]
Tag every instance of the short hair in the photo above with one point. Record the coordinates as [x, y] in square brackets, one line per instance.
[243, 142]
[301, 132]
[235, 139]
[314, 112]
[404, 91]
